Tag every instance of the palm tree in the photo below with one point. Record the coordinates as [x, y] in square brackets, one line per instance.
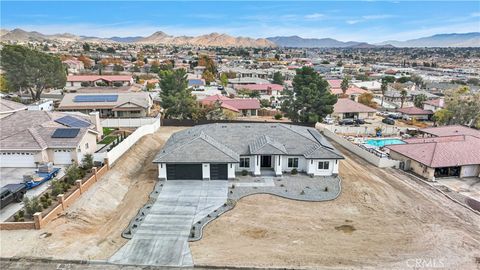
[344, 86]
[383, 88]
[403, 96]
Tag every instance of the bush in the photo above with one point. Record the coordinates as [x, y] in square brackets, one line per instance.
[87, 162]
[244, 172]
[294, 171]
[117, 84]
[278, 116]
[73, 173]
[21, 213]
[85, 84]
[32, 206]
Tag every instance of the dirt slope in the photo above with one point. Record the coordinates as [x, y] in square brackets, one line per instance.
[91, 228]
[381, 220]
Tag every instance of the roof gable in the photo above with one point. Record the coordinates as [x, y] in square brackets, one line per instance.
[266, 145]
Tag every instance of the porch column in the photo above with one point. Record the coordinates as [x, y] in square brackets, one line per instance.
[256, 165]
[278, 165]
[162, 171]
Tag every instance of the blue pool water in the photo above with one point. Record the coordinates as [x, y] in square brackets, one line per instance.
[383, 142]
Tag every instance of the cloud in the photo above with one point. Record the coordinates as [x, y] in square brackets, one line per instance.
[353, 21]
[314, 16]
[377, 17]
[475, 14]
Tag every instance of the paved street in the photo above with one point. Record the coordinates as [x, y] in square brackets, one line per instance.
[162, 238]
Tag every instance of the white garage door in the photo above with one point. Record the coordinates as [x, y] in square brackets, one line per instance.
[17, 160]
[62, 156]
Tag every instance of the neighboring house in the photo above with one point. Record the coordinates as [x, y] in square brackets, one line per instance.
[453, 130]
[42, 105]
[347, 108]
[246, 80]
[201, 94]
[446, 156]
[434, 104]
[373, 86]
[352, 91]
[218, 151]
[241, 106]
[411, 113]
[32, 137]
[75, 81]
[199, 70]
[196, 83]
[8, 107]
[129, 104]
[266, 90]
[74, 66]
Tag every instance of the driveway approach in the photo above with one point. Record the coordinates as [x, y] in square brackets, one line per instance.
[162, 238]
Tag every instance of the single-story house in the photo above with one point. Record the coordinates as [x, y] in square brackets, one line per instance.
[196, 83]
[129, 104]
[352, 91]
[453, 130]
[75, 81]
[74, 65]
[32, 137]
[241, 106]
[439, 156]
[265, 89]
[347, 108]
[219, 151]
[415, 113]
[434, 104]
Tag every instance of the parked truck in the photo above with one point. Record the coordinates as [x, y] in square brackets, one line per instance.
[12, 193]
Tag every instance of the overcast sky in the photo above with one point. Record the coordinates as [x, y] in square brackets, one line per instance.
[370, 21]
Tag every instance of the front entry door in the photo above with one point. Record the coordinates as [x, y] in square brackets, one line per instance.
[266, 161]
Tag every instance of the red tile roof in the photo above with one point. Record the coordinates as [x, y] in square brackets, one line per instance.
[259, 87]
[451, 131]
[414, 111]
[434, 102]
[234, 104]
[91, 78]
[441, 151]
[352, 90]
[334, 83]
[346, 105]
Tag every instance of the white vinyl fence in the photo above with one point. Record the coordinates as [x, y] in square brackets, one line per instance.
[128, 142]
[127, 122]
[387, 130]
[371, 158]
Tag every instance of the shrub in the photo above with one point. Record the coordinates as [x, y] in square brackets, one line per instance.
[73, 173]
[85, 84]
[244, 172]
[294, 171]
[32, 206]
[87, 162]
[21, 213]
[45, 205]
[117, 84]
[278, 116]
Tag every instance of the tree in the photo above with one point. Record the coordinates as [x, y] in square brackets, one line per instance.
[388, 79]
[208, 77]
[208, 63]
[224, 80]
[110, 50]
[367, 99]
[265, 103]
[32, 71]
[118, 68]
[310, 100]
[344, 86]
[278, 78]
[87, 162]
[403, 97]
[4, 85]
[177, 101]
[419, 100]
[442, 116]
[86, 47]
[383, 88]
[462, 107]
[87, 62]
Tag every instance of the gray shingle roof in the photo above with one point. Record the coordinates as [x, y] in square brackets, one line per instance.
[226, 142]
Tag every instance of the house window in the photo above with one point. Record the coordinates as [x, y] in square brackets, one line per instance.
[245, 162]
[293, 162]
[253, 112]
[86, 145]
[323, 165]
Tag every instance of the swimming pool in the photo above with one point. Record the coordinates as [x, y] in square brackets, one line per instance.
[383, 142]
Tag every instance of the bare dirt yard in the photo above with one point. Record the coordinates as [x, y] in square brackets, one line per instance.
[382, 220]
[92, 227]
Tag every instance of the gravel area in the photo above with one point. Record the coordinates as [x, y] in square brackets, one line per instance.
[299, 187]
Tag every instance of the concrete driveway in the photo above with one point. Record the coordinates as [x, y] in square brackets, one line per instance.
[162, 238]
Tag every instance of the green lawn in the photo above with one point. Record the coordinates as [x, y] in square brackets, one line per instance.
[108, 139]
[107, 131]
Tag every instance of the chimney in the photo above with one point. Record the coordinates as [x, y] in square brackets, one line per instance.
[95, 119]
[441, 102]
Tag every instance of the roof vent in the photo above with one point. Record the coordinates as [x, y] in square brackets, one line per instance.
[224, 126]
[247, 126]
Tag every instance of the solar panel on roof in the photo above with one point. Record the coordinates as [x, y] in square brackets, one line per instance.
[65, 133]
[96, 98]
[71, 121]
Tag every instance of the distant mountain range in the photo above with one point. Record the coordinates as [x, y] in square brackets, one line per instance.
[224, 40]
[441, 40]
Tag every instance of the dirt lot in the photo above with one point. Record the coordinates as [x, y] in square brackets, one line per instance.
[382, 220]
[91, 228]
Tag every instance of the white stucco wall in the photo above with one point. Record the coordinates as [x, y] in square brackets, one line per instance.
[231, 170]
[470, 170]
[162, 171]
[205, 171]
